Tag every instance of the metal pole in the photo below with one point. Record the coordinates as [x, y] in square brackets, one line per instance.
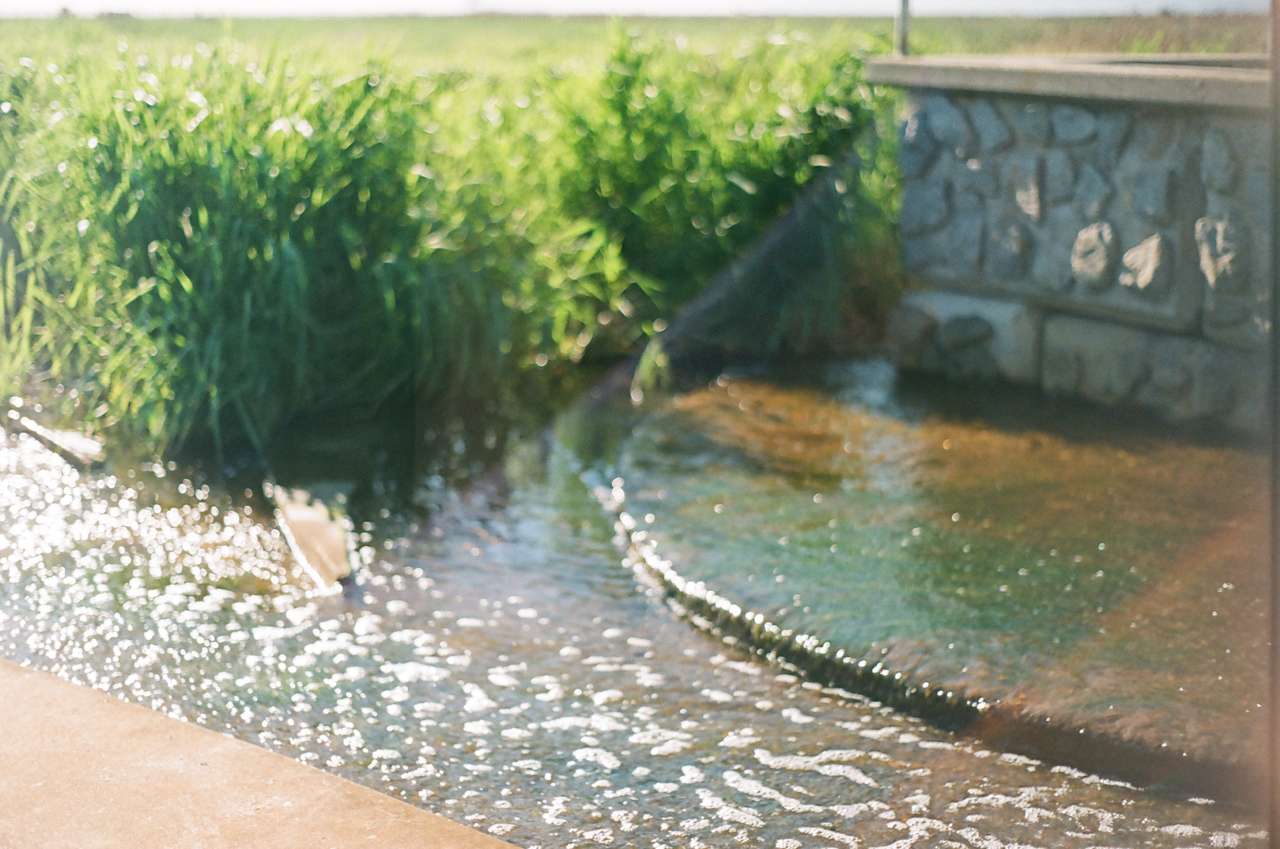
[1273, 42]
[900, 25]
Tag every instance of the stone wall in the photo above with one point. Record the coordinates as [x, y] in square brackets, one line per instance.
[1109, 250]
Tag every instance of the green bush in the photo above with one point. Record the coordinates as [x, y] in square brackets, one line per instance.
[218, 246]
[210, 248]
[685, 158]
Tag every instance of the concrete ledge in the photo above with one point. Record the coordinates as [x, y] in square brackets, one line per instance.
[1147, 79]
[85, 770]
[1183, 378]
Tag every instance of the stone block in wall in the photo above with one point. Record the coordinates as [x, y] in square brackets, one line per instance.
[1217, 161]
[993, 133]
[964, 238]
[1030, 120]
[1153, 193]
[948, 124]
[1072, 124]
[1009, 250]
[974, 175]
[1093, 256]
[1252, 412]
[1148, 265]
[1113, 127]
[1179, 377]
[1099, 361]
[1051, 273]
[1092, 191]
[1232, 238]
[965, 336]
[1221, 248]
[924, 207]
[916, 145]
[1059, 177]
[1024, 177]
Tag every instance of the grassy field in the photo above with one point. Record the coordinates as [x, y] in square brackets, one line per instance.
[497, 44]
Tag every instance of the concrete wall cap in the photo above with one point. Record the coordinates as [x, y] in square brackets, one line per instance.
[1235, 82]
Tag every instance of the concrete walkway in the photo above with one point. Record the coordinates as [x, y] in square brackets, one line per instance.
[81, 769]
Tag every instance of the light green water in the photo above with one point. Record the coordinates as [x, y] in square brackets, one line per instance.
[502, 667]
[1086, 568]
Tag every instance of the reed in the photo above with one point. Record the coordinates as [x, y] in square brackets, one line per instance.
[211, 246]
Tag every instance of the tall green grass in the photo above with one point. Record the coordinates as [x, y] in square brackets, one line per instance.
[213, 246]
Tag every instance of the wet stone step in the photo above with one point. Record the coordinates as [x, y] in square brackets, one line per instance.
[1062, 568]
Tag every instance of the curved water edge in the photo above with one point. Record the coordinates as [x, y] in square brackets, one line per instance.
[1000, 710]
[995, 724]
[501, 669]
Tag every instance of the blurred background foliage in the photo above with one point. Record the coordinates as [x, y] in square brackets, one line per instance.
[203, 248]
[505, 44]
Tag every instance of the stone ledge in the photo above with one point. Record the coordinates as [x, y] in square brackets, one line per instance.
[965, 336]
[1181, 378]
[83, 769]
[1147, 79]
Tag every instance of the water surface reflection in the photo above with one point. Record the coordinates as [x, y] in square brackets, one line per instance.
[503, 669]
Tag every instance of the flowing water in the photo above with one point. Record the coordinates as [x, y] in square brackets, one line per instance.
[1093, 570]
[501, 666]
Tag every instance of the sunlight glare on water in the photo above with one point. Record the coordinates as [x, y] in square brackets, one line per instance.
[504, 669]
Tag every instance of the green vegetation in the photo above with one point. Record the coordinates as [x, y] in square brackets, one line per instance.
[210, 245]
[204, 243]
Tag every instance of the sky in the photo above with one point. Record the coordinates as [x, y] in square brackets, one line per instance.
[173, 8]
